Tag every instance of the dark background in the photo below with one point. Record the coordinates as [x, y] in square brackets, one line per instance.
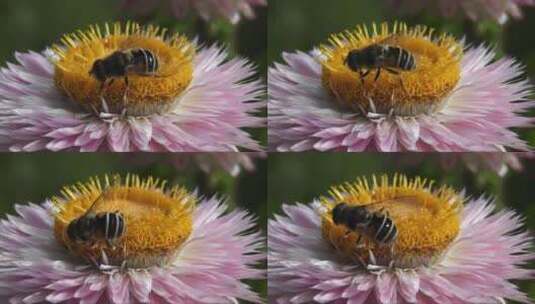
[304, 24]
[35, 177]
[301, 177]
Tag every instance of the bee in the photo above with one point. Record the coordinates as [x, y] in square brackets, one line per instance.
[375, 225]
[91, 226]
[121, 63]
[380, 56]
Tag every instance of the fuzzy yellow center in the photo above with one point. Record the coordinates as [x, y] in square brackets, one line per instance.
[157, 222]
[147, 91]
[427, 221]
[404, 92]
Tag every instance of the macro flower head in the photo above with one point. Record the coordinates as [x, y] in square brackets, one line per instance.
[232, 10]
[231, 162]
[427, 93]
[187, 98]
[172, 247]
[476, 10]
[419, 244]
[500, 163]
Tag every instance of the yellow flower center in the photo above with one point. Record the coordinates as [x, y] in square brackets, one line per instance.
[427, 221]
[147, 91]
[157, 220]
[400, 91]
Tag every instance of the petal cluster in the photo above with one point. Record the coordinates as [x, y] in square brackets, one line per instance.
[208, 116]
[232, 163]
[498, 10]
[477, 268]
[477, 116]
[220, 252]
[231, 10]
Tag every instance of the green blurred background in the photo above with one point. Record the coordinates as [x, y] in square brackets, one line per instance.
[302, 177]
[35, 177]
[34, 25]
[303, 24]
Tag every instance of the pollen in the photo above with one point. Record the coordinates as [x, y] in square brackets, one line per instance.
[404, 92]
[427, 220]
[145, 93]
[158, 220]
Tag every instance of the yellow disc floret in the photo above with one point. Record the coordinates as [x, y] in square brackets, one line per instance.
[158, 220]
[146, 93]
[427, 220]
[404, 92]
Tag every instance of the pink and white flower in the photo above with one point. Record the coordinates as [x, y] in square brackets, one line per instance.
[232, 10]
[208, 116]
[220, 252]
[477, 116]
[497, 10]
[477, 267]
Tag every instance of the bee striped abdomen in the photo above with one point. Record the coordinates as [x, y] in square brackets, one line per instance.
[146, 59]
[385, 229]
[111, 225]
[405, 60]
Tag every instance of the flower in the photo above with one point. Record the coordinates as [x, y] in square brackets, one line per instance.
[497, 10]
[198, 100]
[232, 10]
[176, 252]
[445, 251]
[500, 162]
[232, 163]
[451, 101]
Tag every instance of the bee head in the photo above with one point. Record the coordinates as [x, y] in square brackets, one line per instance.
[352, 60]
[338, 213]
[97, 71]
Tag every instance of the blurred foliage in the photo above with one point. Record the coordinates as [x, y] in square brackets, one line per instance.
[302, 177]
[36, 177]
[35, 25]
[304, 24]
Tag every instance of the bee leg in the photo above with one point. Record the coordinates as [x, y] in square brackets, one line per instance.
[361, 261]
[125, 95]
[105, 84]
[402, 84]
[93, 260]
[397, 73]
[378, 73]
[110, 244]
[123, 265]
[104, 257]
[363, 75]
[391, 264]
[372, 257]
[358, 240]
[392, 71]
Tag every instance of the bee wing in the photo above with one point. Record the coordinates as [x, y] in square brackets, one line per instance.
[409, 202]
[392, 40]
[98, 201]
